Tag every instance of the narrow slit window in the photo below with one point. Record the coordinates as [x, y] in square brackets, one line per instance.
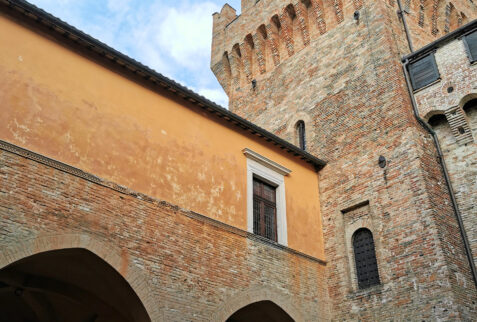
[264, 210]
[300, 132]
[365, 258]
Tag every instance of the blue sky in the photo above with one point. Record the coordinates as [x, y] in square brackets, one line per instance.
[171, 36]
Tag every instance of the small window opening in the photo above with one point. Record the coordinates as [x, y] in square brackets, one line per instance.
[264, 210]
[437, 120]
[365, 258]
[300, 132]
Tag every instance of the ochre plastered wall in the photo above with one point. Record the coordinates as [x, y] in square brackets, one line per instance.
[67, 107]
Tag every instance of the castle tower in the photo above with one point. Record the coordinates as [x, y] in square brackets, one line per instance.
[326, 74]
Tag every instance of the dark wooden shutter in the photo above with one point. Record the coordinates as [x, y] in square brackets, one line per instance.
[365, 258]
[471, 44]
[423, 72]
[264, 210]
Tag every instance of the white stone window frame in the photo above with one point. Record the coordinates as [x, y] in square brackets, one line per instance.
[272, 173]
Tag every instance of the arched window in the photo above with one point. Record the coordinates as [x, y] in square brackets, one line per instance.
[365, 258]
[300, 134]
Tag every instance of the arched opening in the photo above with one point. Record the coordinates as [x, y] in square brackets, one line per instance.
[67, 285]
[295, 30]
[227, 70]
[236, 66]
[251, 56]
[470, 106]
[267, 59]
[470, 109]
[264, 311]
[301, 134]
[278, 36]
[365, 258]
[438, 120]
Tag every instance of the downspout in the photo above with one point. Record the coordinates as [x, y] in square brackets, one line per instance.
[406, 29]
[426, 126]
[446, 173]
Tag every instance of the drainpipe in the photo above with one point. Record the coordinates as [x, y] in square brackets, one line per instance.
[425, 125]
[404, 22]
[446, 173]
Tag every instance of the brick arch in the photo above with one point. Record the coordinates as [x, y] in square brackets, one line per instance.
[309, 131]
[115, 257]
[256, 294]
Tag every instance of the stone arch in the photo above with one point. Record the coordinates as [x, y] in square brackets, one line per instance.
[432, 113]
[469, 107]
[466, 98]
[257, 294]
[19, 249]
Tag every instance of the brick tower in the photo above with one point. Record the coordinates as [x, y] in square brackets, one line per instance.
[334, 65]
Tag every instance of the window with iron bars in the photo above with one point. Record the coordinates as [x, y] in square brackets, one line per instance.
[264, 210]
[365, 258]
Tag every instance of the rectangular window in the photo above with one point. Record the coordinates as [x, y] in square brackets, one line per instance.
[266, 202]
[423, 72]
[470, 42]
[264, 210]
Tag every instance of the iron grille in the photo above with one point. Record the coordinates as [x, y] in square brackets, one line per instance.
[365, 258]
[264, 210]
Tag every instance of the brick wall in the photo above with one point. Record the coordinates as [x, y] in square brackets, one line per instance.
[458, 133]
[429, 20]
[348, 86]
[183, 266]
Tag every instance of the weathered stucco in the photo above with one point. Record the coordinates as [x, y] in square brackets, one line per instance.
[67, 107]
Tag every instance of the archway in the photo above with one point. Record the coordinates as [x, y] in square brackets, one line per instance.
[70, 284]
[264, 311]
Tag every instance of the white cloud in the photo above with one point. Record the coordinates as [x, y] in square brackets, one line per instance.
[171, 36]
[186, 32]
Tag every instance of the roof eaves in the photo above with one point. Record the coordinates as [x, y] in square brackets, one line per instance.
[56, 25]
